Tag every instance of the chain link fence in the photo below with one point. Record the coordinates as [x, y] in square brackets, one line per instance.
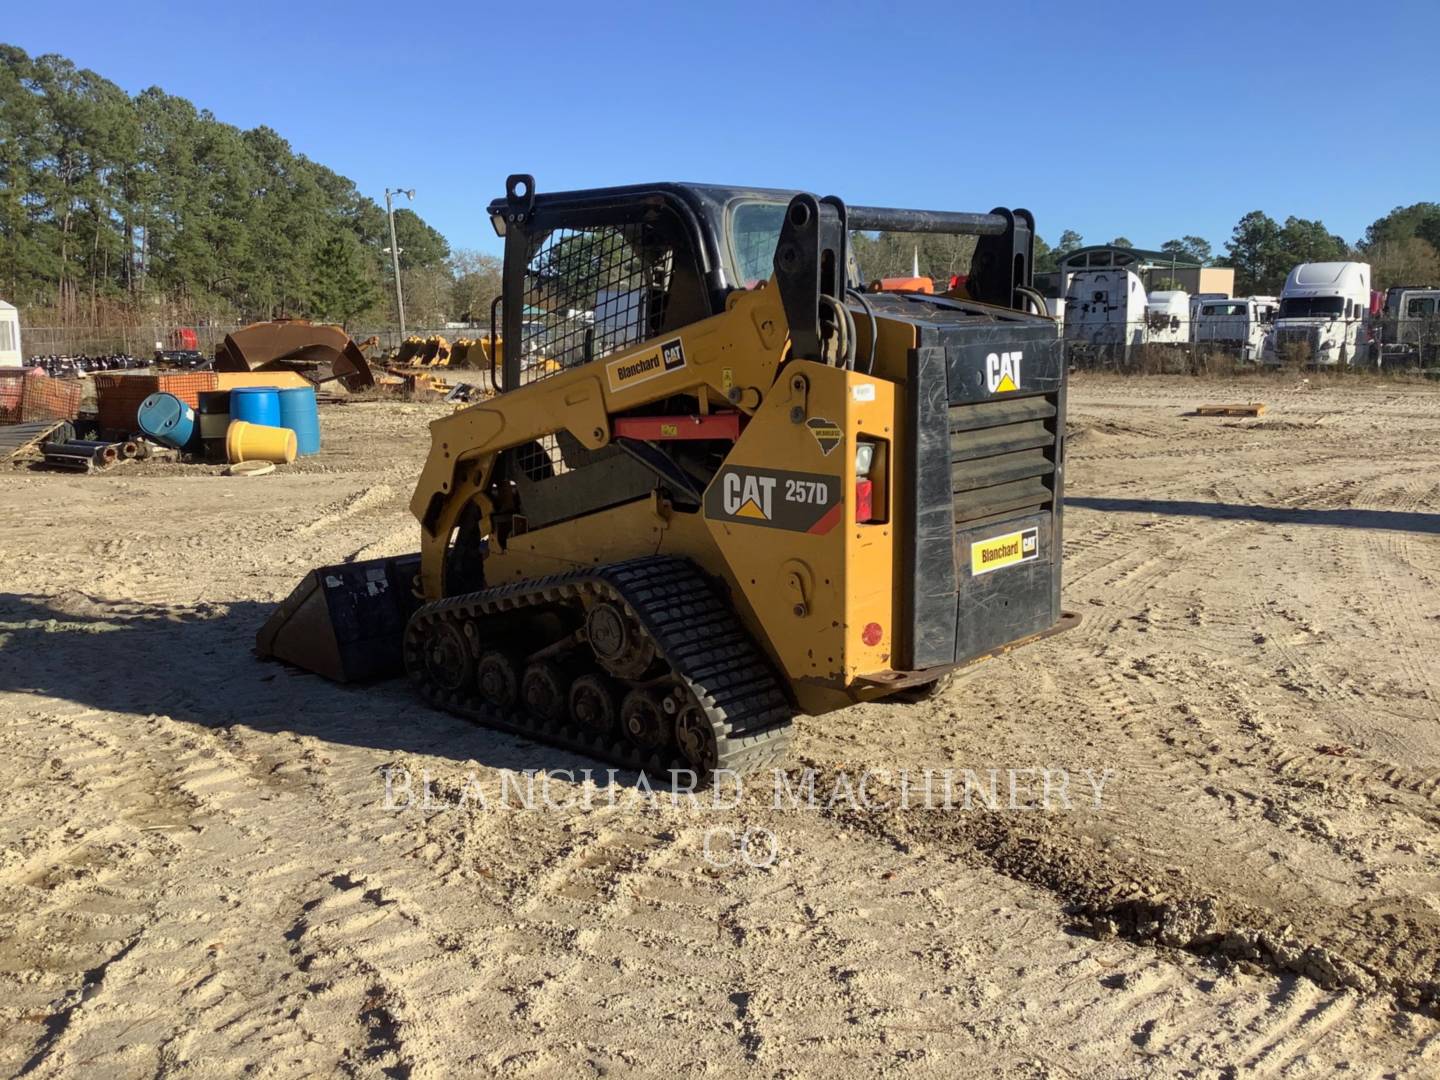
[98, 341]
[40, 342]
[1139, 346]
[1144, 346]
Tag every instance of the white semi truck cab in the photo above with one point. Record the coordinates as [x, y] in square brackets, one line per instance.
[1324, 314]
[1409, 330]
[1242, 325]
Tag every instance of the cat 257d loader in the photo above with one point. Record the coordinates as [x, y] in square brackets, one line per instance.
[720, 483]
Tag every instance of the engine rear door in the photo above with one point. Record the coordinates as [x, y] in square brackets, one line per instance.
[986, 426]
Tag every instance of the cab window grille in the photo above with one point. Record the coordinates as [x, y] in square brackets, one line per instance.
[542, 458]
[592, 292]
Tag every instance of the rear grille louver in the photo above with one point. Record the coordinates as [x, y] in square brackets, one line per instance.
[1002, 458]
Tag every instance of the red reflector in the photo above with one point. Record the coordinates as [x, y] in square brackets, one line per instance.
[872, 633]
[864, 504]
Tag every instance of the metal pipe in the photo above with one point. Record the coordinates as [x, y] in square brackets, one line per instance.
[890, 219]
[93, 444]
[104, 454]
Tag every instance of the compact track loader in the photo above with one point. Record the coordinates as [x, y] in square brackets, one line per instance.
[720, 484]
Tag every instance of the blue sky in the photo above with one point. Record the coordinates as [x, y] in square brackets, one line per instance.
[1149, 121]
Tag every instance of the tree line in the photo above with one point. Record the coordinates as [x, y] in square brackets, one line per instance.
[117, 207]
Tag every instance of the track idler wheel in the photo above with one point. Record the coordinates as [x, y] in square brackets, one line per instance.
[544, 690]
[695, 736]
[622, 648]
[445, 655]
[592, 704]
[643, 720]
[498, 676]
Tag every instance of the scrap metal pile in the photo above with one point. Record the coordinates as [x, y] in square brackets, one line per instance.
[255, 402]
[319, 352]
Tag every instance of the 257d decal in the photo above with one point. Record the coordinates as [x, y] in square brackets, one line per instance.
[775, 498]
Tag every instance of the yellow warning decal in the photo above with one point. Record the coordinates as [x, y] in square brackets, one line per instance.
[1002, 551]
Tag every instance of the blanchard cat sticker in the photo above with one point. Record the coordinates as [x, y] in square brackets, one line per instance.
[775, 499]
[630, 370]
[1001, 551]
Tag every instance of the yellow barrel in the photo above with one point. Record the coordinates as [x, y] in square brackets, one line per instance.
[245, 441]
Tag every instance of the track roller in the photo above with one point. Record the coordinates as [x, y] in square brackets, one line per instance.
[593, 704]
[498, 675]
[642, 718]
[544, 691]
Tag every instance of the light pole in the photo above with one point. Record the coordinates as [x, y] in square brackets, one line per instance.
[395, 250]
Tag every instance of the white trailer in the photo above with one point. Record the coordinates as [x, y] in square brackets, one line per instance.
[1244, 326]
[10, 355]
[1324, 314]
[1167, 317]
[1104, 312]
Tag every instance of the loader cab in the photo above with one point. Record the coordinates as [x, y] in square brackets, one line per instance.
[594, 272]
[591, 273]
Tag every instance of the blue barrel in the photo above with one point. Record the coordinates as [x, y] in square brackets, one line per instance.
[166, 419]
[299, 414]
[256, 405]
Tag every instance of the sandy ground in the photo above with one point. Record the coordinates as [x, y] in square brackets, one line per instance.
[200, 875]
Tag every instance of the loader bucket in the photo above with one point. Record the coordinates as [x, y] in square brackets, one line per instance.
[345, 622]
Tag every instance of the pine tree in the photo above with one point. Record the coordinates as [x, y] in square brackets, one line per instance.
[340, 285]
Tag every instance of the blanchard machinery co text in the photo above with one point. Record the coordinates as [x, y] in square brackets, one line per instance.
[1020, 789]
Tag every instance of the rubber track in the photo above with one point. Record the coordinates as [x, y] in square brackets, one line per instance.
[695, 632]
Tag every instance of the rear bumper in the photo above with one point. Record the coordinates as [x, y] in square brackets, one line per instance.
[898, 680]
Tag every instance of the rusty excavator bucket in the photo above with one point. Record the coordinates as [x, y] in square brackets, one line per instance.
[296, 345]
